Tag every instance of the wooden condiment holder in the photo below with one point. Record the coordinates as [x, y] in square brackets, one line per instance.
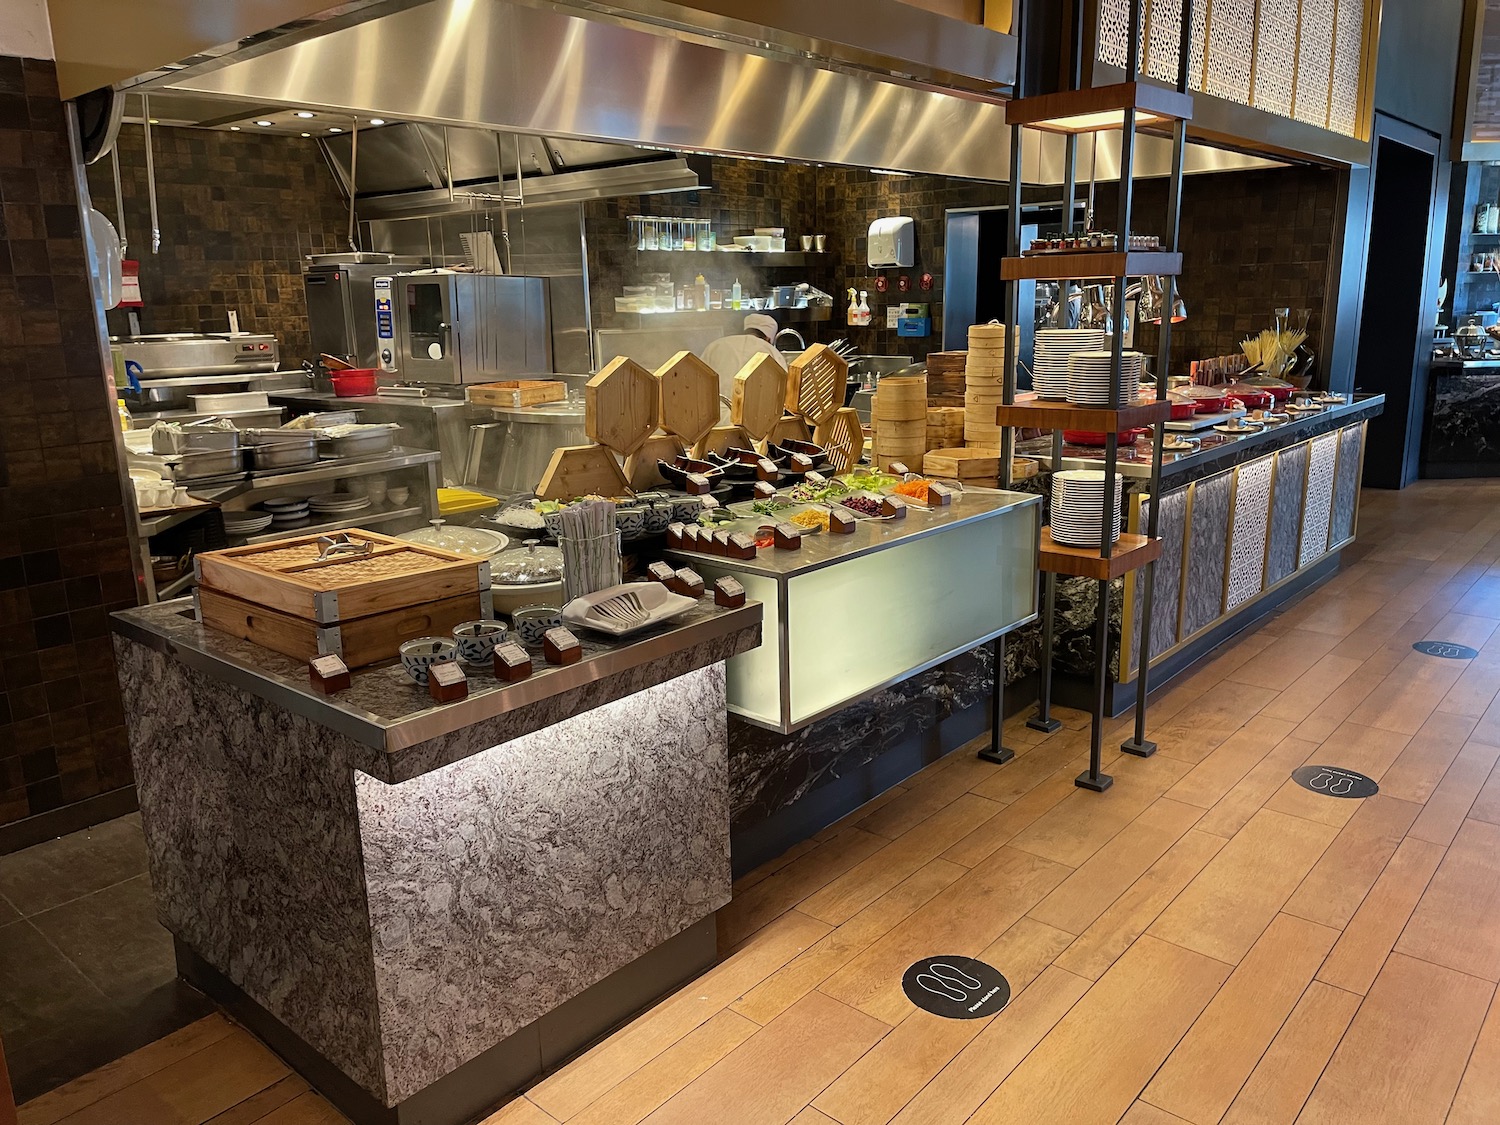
[512, 663]
[561, 647]
[447, 683]
[729, 593]
[328, 674]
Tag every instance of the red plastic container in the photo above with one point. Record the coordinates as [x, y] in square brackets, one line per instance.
[355, 381]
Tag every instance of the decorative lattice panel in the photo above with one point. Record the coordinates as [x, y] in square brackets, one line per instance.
[1252, 521]
[1314, 62]
[1163, 20]
[1276, 55]
[1231, 44]
[1114, 31]
[1348, 52]
[1319, 508]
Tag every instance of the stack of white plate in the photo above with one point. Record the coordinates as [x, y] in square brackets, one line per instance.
[287, 510]
[1078, 507]
[1089, 375]
[338, 503]
[246, 523]
[1049, 376]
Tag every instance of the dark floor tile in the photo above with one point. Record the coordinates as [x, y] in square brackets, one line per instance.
[113, 938]
[38, 985]
[8, 913]
[48, 875]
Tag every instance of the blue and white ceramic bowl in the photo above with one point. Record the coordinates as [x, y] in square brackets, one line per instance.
[658, 516]
[686, 511]
[478, 640]
[533, 621]
[630, 522]
[421, 654]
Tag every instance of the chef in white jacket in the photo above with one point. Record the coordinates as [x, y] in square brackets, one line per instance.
[729, 354]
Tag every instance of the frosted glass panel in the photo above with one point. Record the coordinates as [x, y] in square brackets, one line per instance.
[873, 619]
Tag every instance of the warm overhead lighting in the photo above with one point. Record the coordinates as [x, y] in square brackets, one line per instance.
[377, 121]
[234, 128]
[154, 121]
[305, 113]
[263, 124]
[334, 129]
[888, 172]
[1098, 108]
[307, 134]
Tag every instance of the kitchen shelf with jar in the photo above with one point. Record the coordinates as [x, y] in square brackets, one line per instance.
[774, 259]
[1125, 108]
[689, 318]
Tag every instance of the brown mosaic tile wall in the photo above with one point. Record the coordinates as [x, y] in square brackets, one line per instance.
[64, 557]
[238, 212]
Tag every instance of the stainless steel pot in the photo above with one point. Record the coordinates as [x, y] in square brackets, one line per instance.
[193, 439]
[209, 463]
[284, 453]
[361, 443]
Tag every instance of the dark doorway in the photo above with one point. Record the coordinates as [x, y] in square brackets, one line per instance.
[1395, 332]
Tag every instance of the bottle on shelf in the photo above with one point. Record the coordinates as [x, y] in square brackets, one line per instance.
[852, 318]
[735, 294]
[700, 285]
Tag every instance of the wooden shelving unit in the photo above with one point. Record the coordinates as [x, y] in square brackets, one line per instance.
[1126, 107]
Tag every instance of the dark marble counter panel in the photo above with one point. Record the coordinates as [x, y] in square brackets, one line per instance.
[394, 730]
[1461, 433]
[1204, 595]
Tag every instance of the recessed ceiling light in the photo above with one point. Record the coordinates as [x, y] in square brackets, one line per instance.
[305, 113]
[307, 134]
[154, 121]
[263, 124]
[234, 128]
[334, 129]
[377, 121]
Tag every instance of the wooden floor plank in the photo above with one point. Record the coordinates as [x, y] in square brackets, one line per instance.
[1486, 806]
[805, 1049]
[1403, 1056]
[1207, 783]
[520, 1111]
[1234, 810]
[926, 794]
[979, 845]
[964, 918]
[1144, 1113]
[988, 1060]
[1203, 1074]
[1417, 769]
[1478, 1099]
[606, 1065]
[1222, 912]
[873, 876]
[1368, 750]
[1372, 932]
[1457, 921]
[876, 1088]
[1099, 946]
[1449, 804]
[1279, 1084]
[1281, 664]
[311, 1109]
[1093, 1064]
[56, 1104]
[1090, 890]
[774, 896]
[254, 1109]
[1201, 728]
[1339, 881]
[823, 958]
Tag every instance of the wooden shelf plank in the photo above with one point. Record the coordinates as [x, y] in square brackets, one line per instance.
[1098, 108]
[1038, 415]
[1131, 553]
[1089, 264]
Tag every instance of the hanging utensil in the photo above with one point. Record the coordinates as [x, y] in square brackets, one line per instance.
[150, 174]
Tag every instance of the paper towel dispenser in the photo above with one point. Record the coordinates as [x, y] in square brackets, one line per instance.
[893, 243]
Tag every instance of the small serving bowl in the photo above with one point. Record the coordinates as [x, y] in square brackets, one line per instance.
[477, 641]
[418, 656]
[533, 621]
[658, 516]
[630, 522]
[686, 511]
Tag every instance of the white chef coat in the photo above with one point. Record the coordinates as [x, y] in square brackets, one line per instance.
[728, 356]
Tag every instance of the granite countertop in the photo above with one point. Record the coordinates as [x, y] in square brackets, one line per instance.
[406, 732]
[1216, 451]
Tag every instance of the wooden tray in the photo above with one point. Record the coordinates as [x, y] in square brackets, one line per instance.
[843, 436]
[759, 391]
[581, 470]
[517, 392]
[689, 397]
[641, 472]
[816, 383]
[360, 641]
[285, 576]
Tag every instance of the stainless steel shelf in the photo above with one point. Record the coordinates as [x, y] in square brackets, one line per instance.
[358, 519]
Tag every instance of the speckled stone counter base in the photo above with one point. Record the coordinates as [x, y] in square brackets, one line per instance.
[401, 930]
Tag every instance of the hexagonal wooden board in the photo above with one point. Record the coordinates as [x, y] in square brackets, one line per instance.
[640, 467]
[581, 470]
[722, 438]
[620, 405]
[789, 427]
[815, 383]
[759, 391]
[689, 397]
[843, 436]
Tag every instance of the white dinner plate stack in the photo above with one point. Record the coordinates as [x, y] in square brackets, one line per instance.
[287, 510]
[1049, 376]
[1089, 373]
[1078, 507]
[338, 504]
[246, 523]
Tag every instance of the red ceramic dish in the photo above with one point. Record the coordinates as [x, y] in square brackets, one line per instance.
[1254, 397]
[1087, 437]
[355, 381]
[1183, 410]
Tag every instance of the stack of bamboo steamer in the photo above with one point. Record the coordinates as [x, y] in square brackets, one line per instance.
[899, 412]
[984, 383]
[945, 425]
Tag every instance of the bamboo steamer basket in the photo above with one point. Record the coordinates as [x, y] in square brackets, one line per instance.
[900, 398]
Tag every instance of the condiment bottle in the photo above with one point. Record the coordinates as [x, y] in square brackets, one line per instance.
[734, 294]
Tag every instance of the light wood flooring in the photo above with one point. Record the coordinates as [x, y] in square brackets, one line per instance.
[1206, 942]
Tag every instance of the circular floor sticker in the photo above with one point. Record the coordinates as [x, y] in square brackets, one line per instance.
[959, 988]
[1446, 649]
[1334, 782]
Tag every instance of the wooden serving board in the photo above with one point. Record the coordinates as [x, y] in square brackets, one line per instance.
[360, 641]
[620, 405]
[721, 438]
[791, 427]
[284, 575]
[581, 470]
[759, 391]
[517, 392]
[689, 397]
[843, 436]
[816, 382]
[641, 472]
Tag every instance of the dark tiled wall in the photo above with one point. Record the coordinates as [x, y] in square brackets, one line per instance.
[238, 213]
[64, 557]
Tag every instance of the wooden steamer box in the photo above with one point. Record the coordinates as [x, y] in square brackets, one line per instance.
[359, 607]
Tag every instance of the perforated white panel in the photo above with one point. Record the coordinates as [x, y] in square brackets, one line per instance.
[1231, 42]
[1348, 49]
[1314, 62]
[1276, 55]
[1318, 509]
[1247, 546]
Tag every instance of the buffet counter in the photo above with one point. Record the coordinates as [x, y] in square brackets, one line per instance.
[423, 906]
[1461, 430]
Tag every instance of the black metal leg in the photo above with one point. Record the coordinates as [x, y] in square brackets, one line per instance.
[1043, 720]
[1138, 745]
[996, 751]
[1094, 778]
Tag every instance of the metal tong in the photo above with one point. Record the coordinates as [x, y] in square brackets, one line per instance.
[339, 543]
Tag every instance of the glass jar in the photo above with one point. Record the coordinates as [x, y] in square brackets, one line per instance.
[652, 230]
[677, 240]
[638, 231]
[689, 234]
[707, 239]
